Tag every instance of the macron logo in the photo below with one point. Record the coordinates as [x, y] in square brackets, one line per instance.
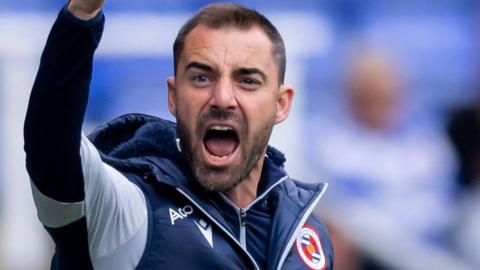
[206, 230]
[181, 213]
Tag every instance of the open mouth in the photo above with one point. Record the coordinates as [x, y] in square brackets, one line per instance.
[220, 142]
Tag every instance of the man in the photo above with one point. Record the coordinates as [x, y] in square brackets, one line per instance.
[132, 195]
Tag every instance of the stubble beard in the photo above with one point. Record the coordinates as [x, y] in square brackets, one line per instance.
[224, 179]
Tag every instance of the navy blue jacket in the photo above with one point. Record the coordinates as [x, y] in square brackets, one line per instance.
[155, 164]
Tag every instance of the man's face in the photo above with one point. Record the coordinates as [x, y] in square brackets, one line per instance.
[226, 98]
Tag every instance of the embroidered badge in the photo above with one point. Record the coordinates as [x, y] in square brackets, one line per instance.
[310, 249]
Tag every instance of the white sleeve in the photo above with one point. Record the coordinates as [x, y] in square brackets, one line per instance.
[116, 213]
[115, 210]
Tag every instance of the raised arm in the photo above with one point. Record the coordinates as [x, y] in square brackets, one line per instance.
[57, 105]
[76, 194]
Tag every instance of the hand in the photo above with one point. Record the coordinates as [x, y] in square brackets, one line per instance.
[85, 9]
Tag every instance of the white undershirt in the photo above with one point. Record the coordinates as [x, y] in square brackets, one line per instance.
[115, 211]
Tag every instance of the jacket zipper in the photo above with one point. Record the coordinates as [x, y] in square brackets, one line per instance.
[243, 223]
[242, 212]
[235, 240]
[303, 219]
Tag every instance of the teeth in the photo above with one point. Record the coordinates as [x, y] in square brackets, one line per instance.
[221, 128]
[217, 158]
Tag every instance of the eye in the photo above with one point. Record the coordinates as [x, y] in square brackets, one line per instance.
[201, 80]
[250, 83]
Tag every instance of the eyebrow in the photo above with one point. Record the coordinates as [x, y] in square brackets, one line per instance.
[198, 65]
[250, 71]
[237, 72]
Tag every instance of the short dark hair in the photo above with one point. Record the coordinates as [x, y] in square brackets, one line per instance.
[220, 15]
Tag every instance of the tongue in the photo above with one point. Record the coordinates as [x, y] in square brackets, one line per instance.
[220, 146]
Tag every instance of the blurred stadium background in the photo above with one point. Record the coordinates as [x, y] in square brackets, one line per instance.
[433, 44]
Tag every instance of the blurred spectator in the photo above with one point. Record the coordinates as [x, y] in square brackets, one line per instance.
[464, 132]
[391, 176]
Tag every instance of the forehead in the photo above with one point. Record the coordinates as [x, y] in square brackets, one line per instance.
[228, 46]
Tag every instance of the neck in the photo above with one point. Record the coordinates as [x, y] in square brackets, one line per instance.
[246, 192]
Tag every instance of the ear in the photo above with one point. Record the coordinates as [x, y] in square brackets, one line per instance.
[172, 96]
[284, 103]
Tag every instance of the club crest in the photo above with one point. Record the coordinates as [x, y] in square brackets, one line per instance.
[310, 249]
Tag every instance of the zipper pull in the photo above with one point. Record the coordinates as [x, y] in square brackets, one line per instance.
[243, 217]
[243, 232]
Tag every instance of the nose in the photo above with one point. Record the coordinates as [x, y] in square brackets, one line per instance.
[223, 96]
